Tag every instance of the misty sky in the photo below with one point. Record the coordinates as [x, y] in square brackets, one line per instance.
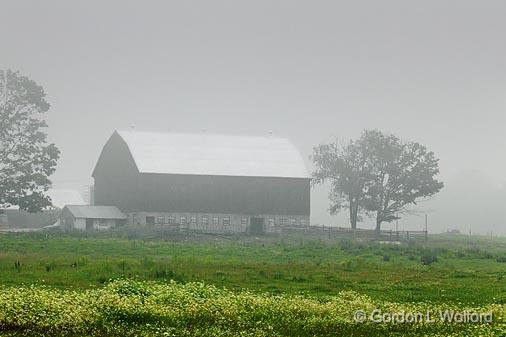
[429, 71]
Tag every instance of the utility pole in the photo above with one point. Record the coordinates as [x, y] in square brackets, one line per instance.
[426, 228]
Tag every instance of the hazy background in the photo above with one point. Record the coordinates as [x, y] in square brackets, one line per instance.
[429, 71]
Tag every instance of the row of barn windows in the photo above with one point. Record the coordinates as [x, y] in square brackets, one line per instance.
[183, 220]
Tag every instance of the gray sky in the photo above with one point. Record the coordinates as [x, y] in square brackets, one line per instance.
[430, 71]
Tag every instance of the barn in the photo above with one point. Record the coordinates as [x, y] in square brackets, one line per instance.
[204, 181]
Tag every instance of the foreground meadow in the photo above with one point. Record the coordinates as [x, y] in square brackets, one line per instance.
[133, 308]
[463, 271]
[192, 285]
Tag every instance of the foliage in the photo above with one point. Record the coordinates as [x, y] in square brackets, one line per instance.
[346, 168]
[428, 259]
[27, 160]
[377, 173]
[134, 308]
[403, 172]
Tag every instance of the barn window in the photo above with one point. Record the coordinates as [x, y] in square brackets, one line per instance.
[216, 220]
[171, 220]
[160, 219]
[226, 221]
[182, 220]
[283, 221]
[205, 220]
[244, 221]
[193, 220]
[303, 222]
[293, 221]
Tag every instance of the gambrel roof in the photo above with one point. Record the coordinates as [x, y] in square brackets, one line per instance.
[210, 154]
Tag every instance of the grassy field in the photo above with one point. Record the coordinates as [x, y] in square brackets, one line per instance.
[456, 271]
[469, 272]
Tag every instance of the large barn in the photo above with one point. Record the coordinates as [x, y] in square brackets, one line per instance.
[204, 181]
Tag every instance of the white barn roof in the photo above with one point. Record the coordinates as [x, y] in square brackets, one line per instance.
[207, 154]
[95, 212]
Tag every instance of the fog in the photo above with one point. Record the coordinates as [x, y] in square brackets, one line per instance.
[432, 72]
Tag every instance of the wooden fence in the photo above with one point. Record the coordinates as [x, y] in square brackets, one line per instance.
[382, 235]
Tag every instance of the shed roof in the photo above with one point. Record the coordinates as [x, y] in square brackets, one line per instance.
[96, 212]
[209, 154]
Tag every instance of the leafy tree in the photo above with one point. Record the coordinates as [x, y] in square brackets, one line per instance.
[347, 170]
[27, 160]
[403, 173]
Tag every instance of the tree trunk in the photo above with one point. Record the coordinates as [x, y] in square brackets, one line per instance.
[378, 223]
[353, 215]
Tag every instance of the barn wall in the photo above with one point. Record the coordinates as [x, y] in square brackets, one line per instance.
[67, 220]
[222, 194]
[103, 224]
[116, 176]
[80, 224]
[118, 183]
[238, 223]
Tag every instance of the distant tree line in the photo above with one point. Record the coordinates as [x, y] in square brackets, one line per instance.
[376, 175]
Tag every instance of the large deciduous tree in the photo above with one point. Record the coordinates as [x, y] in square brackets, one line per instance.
[345, 167]
[403, 173]
[376, 174]
[26, 158]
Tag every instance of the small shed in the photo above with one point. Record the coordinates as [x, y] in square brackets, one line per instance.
[88, 218]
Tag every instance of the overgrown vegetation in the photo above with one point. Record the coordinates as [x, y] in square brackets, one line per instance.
[132, 308]
[449, 269]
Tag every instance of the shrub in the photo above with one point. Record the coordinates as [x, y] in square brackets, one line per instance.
[427, 260]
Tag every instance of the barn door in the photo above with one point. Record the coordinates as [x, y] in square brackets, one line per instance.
[89, 224]
[256, 225]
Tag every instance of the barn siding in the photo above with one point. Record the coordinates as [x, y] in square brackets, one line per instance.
[118, 183]
[116, 176]
[80, 224]
[221, 194]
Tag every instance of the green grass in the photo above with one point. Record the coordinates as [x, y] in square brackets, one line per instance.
[466, 271]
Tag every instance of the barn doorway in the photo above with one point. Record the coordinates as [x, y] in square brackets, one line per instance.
[89, 224]
[256, 225]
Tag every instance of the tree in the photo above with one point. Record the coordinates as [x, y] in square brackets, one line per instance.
[403, 173]
[27, 160]
[346, 168]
